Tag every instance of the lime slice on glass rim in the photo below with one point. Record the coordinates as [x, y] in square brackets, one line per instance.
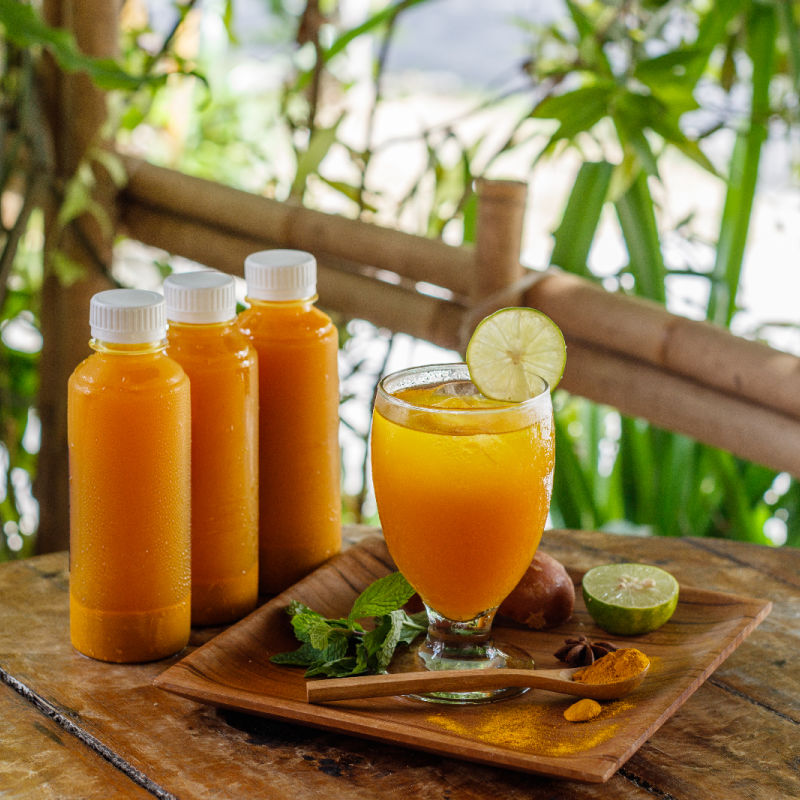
[510, 349]
[627, 599]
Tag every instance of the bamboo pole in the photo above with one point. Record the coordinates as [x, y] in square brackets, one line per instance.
[289, 225]
[77, 112]
[498, 238]
[637, 389]
[344, 286]
[646, 331]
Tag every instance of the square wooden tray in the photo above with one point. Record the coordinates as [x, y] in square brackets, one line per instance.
[528, 733]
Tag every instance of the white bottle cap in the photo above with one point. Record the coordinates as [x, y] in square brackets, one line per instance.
[200, 297]
[281, 275]
[127, 316]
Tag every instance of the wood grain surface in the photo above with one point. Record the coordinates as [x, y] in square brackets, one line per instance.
[735, 737]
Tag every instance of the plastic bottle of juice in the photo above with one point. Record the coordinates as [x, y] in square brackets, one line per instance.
[297, 344]
[129, 412]
[223, 371]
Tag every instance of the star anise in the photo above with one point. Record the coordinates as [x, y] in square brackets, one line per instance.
[581, 652]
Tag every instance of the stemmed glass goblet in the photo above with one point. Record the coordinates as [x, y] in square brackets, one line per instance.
[463, 487]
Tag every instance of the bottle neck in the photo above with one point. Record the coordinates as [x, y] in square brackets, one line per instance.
[201, 326]
[301, 304]
[138, 349]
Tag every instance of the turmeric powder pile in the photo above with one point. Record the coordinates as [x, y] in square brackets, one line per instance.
[616, 666]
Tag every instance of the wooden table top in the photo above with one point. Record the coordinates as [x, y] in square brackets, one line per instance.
[71, 727]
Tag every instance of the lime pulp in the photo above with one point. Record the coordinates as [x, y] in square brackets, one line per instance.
[512, 351]
[629, 599]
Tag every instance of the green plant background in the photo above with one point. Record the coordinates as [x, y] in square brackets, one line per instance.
[611, 83]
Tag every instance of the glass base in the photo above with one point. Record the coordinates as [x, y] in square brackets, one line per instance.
[462, 645]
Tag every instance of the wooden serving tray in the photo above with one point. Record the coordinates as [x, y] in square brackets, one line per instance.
[528, 733]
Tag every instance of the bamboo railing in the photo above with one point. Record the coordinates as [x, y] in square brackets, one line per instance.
[680, 374]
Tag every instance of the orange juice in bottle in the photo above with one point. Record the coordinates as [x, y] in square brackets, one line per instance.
[297, 345]
[129, 461]
[223, 371]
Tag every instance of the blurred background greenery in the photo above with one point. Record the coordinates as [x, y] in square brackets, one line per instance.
[647, 132]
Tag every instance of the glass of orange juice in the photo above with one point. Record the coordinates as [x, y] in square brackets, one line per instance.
[463, 487]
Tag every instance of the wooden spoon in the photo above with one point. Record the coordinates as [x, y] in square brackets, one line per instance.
[465, 680]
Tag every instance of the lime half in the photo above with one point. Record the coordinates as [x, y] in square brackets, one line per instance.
[511, 349]
[629, 598]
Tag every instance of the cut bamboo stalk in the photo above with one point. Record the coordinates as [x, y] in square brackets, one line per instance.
[342, 285]
[629, 326]
[76, 111]
[498, 237]
[644, 330]
[289, 225]
[637, 389]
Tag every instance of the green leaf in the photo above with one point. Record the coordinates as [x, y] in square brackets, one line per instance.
[25, 28]
[743, 170]
[572, 489]
[470, 212]
[322, 139]
[791, 29]
[304, 656]
[341, 647]
[576, 231]
[382, 17]
[637, 219]
[413, 626]
[573, 108]
[590, 43]
[397, 620]
[310, 626]
[376, 20]
[350, 192]
[577, 111]
[672, 76]
[338, 668]
[381, 597]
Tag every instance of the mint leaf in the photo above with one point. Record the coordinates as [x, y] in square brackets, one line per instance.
[309, 656]
[341, 668]
[413, 626]
[304, 656]
[393, 625]
[312, 628]
[337, 648]
[382, 597]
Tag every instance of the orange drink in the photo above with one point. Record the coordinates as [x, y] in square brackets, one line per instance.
[471, 495]
[223, 371]
[297, 345]
[463, 488]
[129, 460]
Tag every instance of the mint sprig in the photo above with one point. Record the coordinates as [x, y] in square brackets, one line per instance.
[338, 648]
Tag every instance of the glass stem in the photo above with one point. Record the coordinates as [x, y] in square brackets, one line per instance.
[453, 644]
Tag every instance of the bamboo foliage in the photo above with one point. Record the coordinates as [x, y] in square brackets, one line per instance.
[656, 473]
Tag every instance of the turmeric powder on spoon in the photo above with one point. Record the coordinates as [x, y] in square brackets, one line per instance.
[618, 665]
